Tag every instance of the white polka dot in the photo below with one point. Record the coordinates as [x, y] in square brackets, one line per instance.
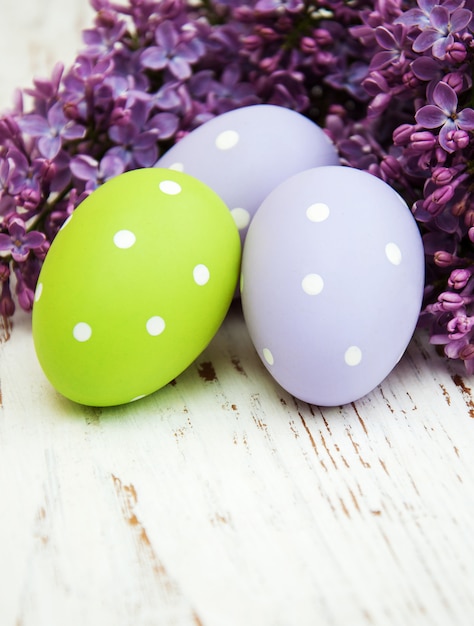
[177, 167]
[241, 217]
[317, 212]
[137, 398]
[227, 139]
[393, 253]
[268, 356]
[124, 239]
[39, 291]
[155, 325]
[201, 274]
[353, 356]
[82, 332]
[170, 187]
[312, 284]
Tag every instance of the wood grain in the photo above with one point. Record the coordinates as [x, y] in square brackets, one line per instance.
[222, 500]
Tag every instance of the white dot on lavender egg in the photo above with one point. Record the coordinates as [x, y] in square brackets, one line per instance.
[312, 284]
[177, 167]
[227, 139]
[393, 253]
[268, 356]
[317, 212]
[353, 356]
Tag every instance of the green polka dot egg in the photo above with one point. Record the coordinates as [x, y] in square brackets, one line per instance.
[135, 285]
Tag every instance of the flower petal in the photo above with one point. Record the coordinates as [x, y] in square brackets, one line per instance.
[430, 116]
[465, 119]
[460, 19]
[154, 58]
[425, 68]
[84, 167]
[439, 18]
[440, 46]
[34, 239]
[166, 35]
[111, 165]
[445, 98]
[49, 146]
[180, 68]
[385, 38]
[34, 125]
[425, 40]
[5, 242]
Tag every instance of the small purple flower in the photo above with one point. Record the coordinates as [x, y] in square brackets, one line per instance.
[18, 242]
[50, 131]
[439, 36]
[392, 43]
[86, 168]
[172, 51]
[279, 6]
[443, 114]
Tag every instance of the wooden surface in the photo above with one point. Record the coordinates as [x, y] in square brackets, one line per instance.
[221, 500]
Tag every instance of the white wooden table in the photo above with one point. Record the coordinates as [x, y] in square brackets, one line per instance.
[221, 500]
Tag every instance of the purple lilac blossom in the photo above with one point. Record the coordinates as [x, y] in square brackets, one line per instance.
[442, 113]
[389, 80]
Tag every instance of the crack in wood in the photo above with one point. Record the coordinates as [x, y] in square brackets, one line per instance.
[446, 395]
[128, 500]
[207, 372]
[466, 393]
[6, 327]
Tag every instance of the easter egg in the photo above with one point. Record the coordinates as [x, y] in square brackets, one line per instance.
[244, 153]
[332, 283]
[134, 286]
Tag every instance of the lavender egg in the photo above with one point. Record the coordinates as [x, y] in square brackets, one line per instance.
[332, 283]
[245, 153]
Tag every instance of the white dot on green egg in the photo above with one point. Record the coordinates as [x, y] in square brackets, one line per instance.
[317, 212]
[268, 356]
[82, 332]
[38, 291]
[353, 356]
[177, 167]
[241, 217]
[227, 139]
[393, 253]
[137, 398]
[201, 274]
[155, 325]
[124, 239]
[312, 284]
[170, 187]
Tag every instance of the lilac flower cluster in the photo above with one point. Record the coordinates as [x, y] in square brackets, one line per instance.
[389, 80]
